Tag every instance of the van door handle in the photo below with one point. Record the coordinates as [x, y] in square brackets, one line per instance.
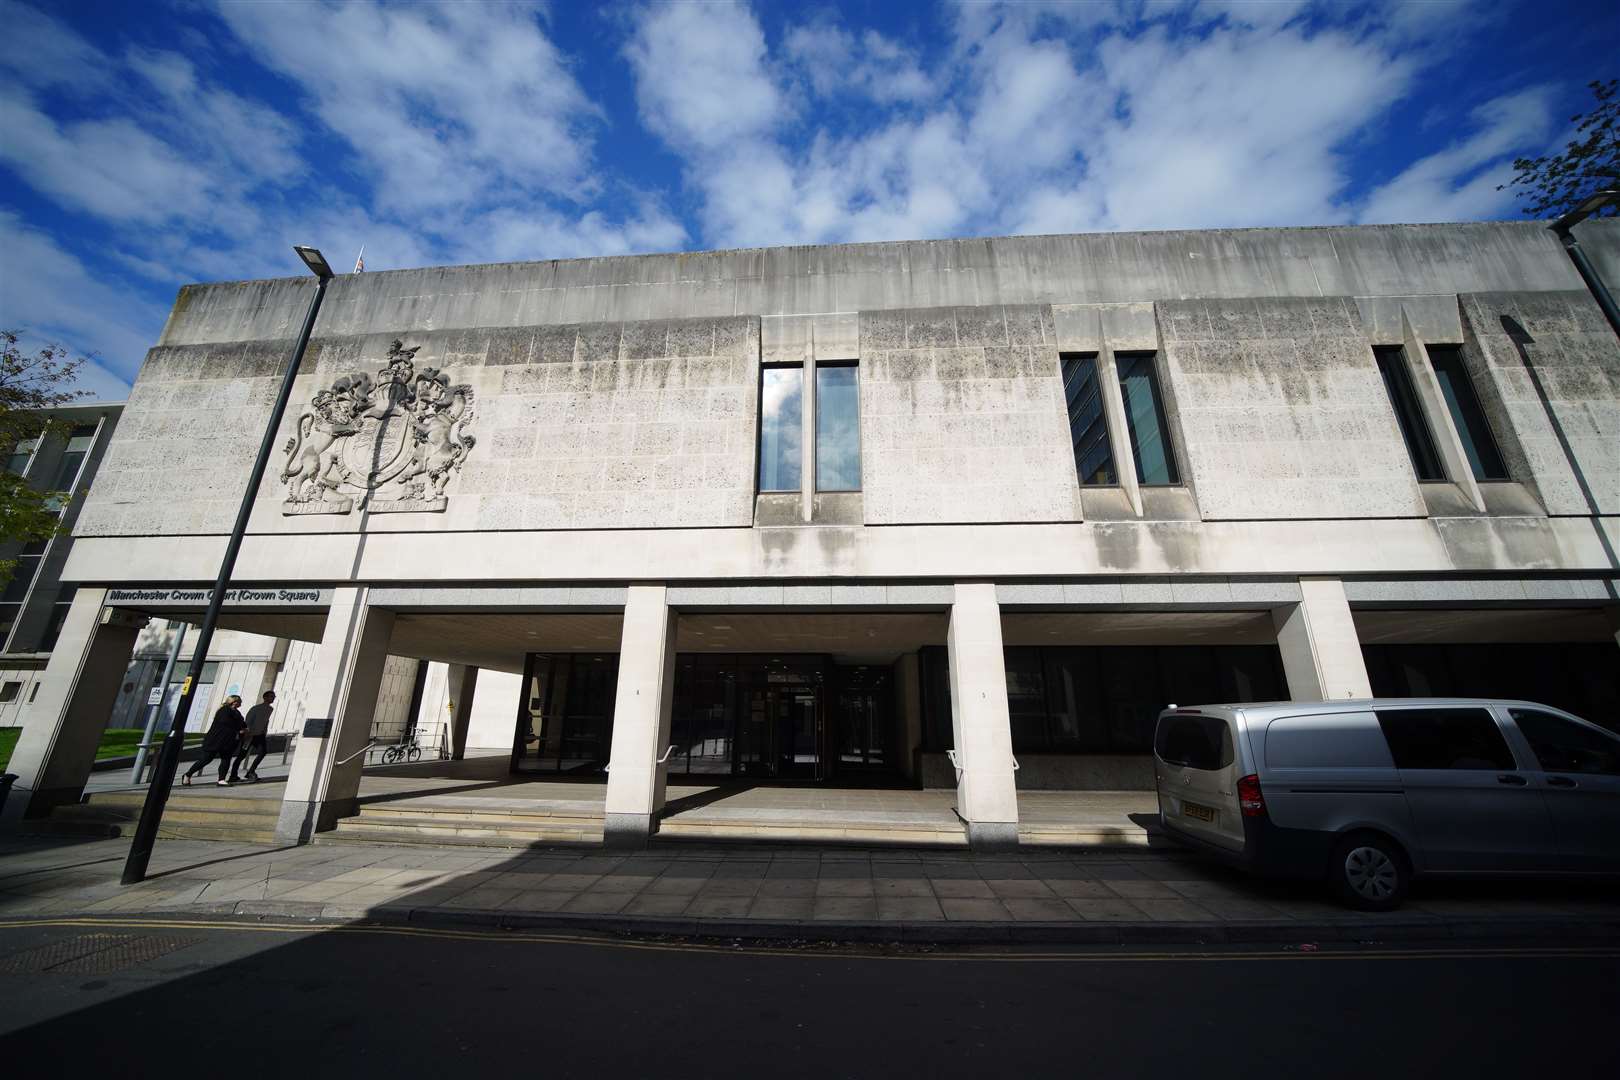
[1560, 781]
[1512, 778]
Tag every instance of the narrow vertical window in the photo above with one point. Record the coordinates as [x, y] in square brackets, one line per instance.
[21, 456]
[1409, 413]
[838, 428]
[1478, 443]
[1093, 456]
[781, 403]
[1144, 416]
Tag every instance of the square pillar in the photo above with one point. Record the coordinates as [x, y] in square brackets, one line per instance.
[641, 718]
[340, 699]
[1321, 653]
[908, 681]
[986, 796]
[62, 726]
[463, 683]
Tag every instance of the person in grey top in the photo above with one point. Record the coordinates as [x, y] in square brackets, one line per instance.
[256, 738]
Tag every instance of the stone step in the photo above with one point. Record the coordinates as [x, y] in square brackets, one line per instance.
[180, 800]
[496, 815]
[171, 815]
[1080, 835]
[116, 827]
[943, 835]
[402, 829]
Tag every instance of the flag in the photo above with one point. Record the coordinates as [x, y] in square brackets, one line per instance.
[360, 261]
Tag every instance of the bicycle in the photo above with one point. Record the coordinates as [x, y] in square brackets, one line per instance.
[406, 750]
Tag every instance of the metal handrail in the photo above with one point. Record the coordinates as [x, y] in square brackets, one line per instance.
[667, 752]
[354, 755]
[956, 762]
[1015, 764]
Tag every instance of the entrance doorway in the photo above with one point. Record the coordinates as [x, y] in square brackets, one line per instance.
[565, 713]
[781, 736]
[792, 717]
[795, 717]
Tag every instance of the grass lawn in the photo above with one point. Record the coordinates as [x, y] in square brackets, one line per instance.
[119, 742]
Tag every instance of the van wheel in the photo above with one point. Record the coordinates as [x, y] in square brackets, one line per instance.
[1369, 872]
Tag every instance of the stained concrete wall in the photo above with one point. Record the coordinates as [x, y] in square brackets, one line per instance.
[596, 426]
[1561, 341]
[963, 418]
[1094, 268]
[594, 410]
[1282, 411]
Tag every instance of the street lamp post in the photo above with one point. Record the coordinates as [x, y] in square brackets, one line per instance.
[1583, 266]
[140, 852]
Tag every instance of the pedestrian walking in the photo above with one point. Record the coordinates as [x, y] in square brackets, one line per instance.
[257, 738]
[223, 738]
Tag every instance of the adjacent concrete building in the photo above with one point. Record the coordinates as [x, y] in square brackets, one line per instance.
[36, 602]
[956, 514]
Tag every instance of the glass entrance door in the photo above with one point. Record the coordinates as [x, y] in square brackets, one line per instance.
[780, 735]
[863, 719]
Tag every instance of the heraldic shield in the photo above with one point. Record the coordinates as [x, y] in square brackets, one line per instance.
[393, 441]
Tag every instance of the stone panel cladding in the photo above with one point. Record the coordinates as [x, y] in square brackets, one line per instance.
[1576, 358]
[598, 425]
[963, 417]
[186, 441]
[624, 425]
[1282, 412]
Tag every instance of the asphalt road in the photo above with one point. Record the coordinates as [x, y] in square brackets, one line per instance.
[139, 998]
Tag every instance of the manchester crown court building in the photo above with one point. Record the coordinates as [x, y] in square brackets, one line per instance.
[959, 516]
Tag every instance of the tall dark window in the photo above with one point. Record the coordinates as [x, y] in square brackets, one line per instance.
[781, 431]
[1409, 413]
[1144, 416]
[78, 445]
[18, 462]
[1103, 699]
[1478, 443]
[838, 428]
[1093, 456]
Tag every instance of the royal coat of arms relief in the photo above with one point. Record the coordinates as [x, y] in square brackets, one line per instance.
[392, 442]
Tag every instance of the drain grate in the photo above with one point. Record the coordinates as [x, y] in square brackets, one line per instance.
[92, 954]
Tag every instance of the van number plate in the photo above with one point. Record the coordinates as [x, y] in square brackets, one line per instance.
[1201, 813]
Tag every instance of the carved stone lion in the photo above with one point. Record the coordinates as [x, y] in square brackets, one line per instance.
[411, 472]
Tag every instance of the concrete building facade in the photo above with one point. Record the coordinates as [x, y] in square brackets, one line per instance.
[36, 600]
[961, 514]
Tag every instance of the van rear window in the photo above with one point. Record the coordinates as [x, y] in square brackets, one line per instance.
[1194, 742]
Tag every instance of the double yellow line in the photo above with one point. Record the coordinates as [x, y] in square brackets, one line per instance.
[859, 952]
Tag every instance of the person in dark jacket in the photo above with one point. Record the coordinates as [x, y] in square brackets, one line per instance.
[256, 739]
[223, 738]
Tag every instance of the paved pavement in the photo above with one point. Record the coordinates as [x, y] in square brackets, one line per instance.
[782, 891]
[124, 997]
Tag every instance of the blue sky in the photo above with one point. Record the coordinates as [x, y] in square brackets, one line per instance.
[146, 145]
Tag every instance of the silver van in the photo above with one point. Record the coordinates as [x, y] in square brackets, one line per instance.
[1367, 793]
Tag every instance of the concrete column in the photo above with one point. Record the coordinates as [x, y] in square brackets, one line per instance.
[463, 683]
[340, 699]
[1321, 653]
[641, 717]
[986, 796]
[908, 686]
[77, 689]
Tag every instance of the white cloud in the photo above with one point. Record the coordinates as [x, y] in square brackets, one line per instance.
[1239, 128]
[51, 294]
[838, 63]
[445, 104]
[1265, 14]
[1459, 183]
[1043, 117]
[700, 75]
